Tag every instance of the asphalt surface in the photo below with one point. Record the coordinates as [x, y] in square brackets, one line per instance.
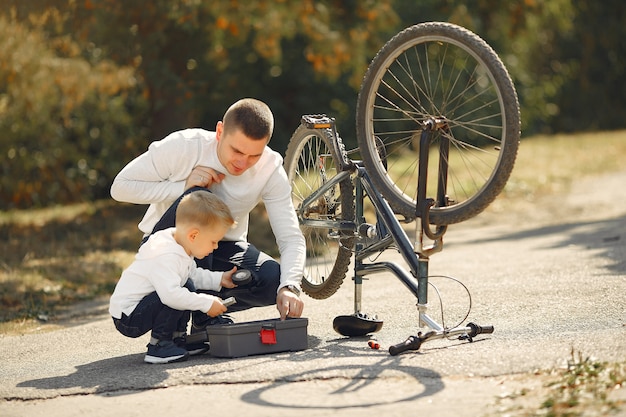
[552, 281]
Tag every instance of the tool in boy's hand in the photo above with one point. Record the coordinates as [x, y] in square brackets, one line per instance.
[241, 277]
[203, 335]
[229, 301]
[373, 344]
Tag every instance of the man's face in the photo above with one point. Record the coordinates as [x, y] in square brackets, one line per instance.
[236, 151]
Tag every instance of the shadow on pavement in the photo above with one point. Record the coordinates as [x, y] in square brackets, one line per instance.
[350, 386]
[112, 374]
[343, 375]
[606, 236]
[341, 385]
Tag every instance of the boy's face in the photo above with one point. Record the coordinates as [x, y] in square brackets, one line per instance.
[236, 151]
[204, 241]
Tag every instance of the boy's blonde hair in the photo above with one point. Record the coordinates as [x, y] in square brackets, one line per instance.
[203, 208]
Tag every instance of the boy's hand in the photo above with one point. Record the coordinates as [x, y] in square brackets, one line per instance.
[217, 308]
[227, 280]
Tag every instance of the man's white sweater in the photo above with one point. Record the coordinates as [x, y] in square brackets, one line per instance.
[157, 177]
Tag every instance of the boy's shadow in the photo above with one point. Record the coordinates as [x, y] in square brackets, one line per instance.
[122, 373]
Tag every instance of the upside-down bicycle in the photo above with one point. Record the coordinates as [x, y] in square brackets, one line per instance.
[438, 130]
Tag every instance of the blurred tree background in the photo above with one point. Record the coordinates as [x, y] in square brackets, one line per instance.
[86, 85]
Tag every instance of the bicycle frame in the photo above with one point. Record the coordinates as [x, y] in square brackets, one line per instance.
[390, 233]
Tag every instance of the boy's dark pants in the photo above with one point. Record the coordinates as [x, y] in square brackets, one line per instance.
[152, 314]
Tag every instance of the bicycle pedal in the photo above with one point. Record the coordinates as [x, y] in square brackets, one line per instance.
[317, 121]
[333, 235]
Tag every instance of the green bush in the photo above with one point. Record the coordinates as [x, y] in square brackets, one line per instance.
[62, 118]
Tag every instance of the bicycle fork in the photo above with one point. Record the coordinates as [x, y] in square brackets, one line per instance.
[415, 255]
[423, 206]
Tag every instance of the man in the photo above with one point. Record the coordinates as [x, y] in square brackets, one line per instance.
[235, 163]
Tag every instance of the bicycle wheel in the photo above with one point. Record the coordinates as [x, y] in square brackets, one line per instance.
[439, 70]
[310, 162]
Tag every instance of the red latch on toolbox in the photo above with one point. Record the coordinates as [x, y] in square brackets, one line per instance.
[268, 334]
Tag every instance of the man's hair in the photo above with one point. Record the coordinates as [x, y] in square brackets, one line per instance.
[203, 208]
[252, 117]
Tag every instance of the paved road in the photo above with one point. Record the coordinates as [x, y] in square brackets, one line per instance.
[550, 283]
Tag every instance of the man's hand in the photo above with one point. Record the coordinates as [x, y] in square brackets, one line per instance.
[288, 304]
[203, 177]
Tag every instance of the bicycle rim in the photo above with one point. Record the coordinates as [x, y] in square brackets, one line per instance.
[309, 163]
[444, 71]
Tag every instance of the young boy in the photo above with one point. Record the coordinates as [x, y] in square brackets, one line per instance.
[156, 292]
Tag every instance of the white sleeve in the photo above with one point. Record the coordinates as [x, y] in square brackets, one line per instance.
[166, 280]
[204, 279]
[157, 175]
[284, 222]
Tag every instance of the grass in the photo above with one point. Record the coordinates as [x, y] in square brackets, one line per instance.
[57, 256]
[584, 387]
[585, 383]
[61, 255]
[549, 164]
[545, 166]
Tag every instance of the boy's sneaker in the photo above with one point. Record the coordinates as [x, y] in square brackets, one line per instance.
[192, 348]
[200, 326]
[165, 351]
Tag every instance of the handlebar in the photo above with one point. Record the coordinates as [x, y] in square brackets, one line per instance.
[415, 342]
[475, 329]
[412, 343]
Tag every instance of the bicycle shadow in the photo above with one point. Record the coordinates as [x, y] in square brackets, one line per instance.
[342, 385]
[351, 386]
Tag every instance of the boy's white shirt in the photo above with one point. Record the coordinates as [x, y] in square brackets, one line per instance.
[162, 265]
[158, 178]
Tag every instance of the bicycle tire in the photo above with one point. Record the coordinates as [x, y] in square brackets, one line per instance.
[438, 69]
[309, 161]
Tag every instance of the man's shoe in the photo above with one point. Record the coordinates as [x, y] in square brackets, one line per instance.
[201, 326]
[165, 351]
[192, 348]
